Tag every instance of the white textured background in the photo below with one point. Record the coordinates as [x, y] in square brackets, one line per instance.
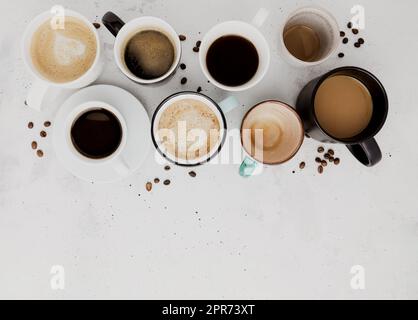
[279, 235]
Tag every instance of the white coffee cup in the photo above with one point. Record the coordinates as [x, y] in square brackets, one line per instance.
[116, 159]
[124, 32]
[323, 23]
[248, 31]
[41, 86]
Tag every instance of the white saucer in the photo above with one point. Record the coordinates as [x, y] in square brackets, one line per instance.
[139, 133]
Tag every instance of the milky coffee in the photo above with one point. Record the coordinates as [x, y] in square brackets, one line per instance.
[194, 128]
[63, 55]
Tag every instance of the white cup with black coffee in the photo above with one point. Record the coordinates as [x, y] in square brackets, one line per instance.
[147, 49]
[61, 50]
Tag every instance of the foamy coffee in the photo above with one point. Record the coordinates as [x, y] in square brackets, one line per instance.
[189, 129]
[63, 55]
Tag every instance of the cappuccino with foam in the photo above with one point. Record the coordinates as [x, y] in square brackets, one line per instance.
[63, 54]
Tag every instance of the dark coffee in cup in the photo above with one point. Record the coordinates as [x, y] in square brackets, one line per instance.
[232, 60]
[149, 54]
[97, 134]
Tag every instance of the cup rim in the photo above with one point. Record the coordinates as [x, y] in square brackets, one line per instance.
[331, 18]
[249, 84]
[86, 107]
[166, 28]
[289, 108]
[210, 155]
[385, 97]
[34, 25]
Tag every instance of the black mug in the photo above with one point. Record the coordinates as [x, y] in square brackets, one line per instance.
[363, 146]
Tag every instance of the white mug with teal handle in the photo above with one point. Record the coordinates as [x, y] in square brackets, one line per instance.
[189, 101]
[271, 134]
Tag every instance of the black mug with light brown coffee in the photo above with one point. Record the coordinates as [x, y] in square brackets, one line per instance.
[347, 105]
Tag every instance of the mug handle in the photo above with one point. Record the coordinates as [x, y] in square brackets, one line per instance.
[260, 17]
[113, 23]
[121, 167]
[248, 167]
[367, 152]
[37, 94]
[229, 104]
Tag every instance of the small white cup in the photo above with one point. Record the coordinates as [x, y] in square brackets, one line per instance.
[323, 23]
[247, 31]
[41, 86]
[115, 159]
[124, 32]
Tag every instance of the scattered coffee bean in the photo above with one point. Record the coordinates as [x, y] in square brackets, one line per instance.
[196, 49]
[30, 125]
[357, 45]
[320, 169]
[34, 145]
[341, 55]
[342, 34]
[321, 149]
[349, 25]
[331, 152]
[345, 40]
[167, 168]
[327, 156]
[167, 182]
[199, 89]
[355, 31]
[331, 159]
[40, 153]
[96, 25]
[43, 134]
[156, 181]
[198, 44]
[302, 165]
[184, 80]
[148, 186]
[336, 161]
[360, 40]
[182, 37]
[192, 174]
[47, 124]
[324, 163]
[318, 160]
[183, 66]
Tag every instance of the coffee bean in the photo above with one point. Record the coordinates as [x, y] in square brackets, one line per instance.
[331, 159]
[327, 156]
[30, 125]
[26, 103]
[184, 80]
[183, 66]
[167, 182]
[320, 169]
[47, 124]
[345, 40]
[360, 40]
[342, 34]
[357, 45]
[199, 90]
[40, 153]
[355, 31]
[302, 165]
[34, 145]
[96, 25]
[336, 161]
[198, 44]
[167, 168]
[156, 181]
[318, 160]
[148, 186]
[192, 174]
[321, 149]
[196, 49]
[324, 163]
[331, 152]
[43, 134]
[341, 55]
[182, 37]
[349, 25]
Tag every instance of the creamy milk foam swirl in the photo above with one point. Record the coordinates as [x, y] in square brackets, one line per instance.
[63, 55]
